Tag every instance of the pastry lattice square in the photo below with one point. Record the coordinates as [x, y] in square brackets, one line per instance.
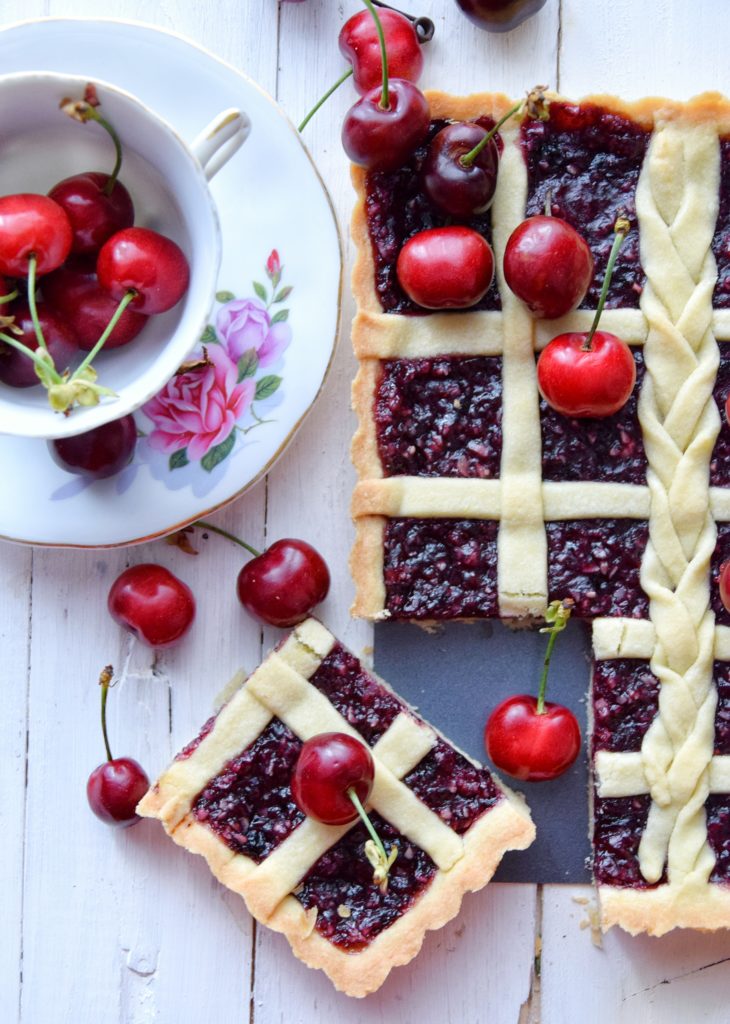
[476, 500]
[227, 796]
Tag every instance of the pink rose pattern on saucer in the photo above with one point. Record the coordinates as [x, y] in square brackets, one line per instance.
[198, 414]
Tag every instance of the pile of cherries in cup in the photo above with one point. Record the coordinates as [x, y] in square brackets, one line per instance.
[100, 278]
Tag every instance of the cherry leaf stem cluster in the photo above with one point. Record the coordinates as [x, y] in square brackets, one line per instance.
[621, 227]
[556, 615]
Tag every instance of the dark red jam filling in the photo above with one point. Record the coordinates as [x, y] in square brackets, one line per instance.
[721, 241]
[589, 159]
[610, 449]
[721, 555]
[249, 804]
[453, 787]
[717, 808]
[618, 825]
[596, 562]
[721, 676]
[720, 463]
[367, 705]
[193, 745]
[440, 417]
[440, 568]
[625, 702]
[396, 208]
[341, 882]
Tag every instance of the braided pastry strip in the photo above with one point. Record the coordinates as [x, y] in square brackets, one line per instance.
[677, 205]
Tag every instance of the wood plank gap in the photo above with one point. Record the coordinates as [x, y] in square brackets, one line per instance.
[25, 786]
[252, 975]
[530, 1012]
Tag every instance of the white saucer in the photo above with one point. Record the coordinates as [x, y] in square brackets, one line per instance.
[270, 200]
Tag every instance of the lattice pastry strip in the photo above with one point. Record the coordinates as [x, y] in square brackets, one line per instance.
[450, 819]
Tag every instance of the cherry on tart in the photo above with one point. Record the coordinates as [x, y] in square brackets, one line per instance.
[589, 374]
[74, 293]
[360, 45]
[16, 368]
[151, 602]
[97, 204]
[98, 453]
[548, 265]
[147, 263]
[528, 737]
[724, 585]
[35, 235]
[116, 787]
[332, 779]
[460, 169]
[446, 268]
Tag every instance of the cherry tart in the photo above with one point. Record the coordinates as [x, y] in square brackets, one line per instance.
[444, 821]
[478, 499]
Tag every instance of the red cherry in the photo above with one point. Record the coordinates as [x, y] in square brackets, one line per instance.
[383, 139]
[578, 383]
[328, 766]
[359, 43]
[531, 746]
[18, 370]
[458, 189]
[144, 261]
[548, 265]
[446, 268]
[499, 15]
[94, 215]
[32, 225]
[98, 453]
[74, 293]
[282, 585]
[115, 788]
[724, 584]
[152, 603]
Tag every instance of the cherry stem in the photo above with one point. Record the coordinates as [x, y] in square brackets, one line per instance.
[123, 303]
[384, 95]
[93, 115]
[343, 78]
[424, 27]
[468, 159]
[32, 263]
[104, 680]
[557, 615]
[38, 360]
[367, 823]
[230, 536]
[621, 227]
[549, 203]
[9, 297]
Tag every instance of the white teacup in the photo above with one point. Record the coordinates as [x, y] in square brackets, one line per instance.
[168, 182]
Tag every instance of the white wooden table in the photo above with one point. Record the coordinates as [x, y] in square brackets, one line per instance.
[103, 927]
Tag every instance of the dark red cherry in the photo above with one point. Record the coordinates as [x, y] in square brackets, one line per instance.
[152, 603]
[724, 584]
[32, 225]
[359, 43]
[94, 215]
[283, 585]
[115, 788]
[446, 268]
[146, 262]
[461, 190]
[329, 765]
[18, 370]
[586, 383]
[383, 139]
[98, 453]
[548, 265]
[499, 15]
[530, 745]
[74, 293]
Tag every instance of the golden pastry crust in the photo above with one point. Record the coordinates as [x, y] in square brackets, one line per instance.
[280, 688]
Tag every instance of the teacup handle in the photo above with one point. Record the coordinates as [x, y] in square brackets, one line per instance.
[220, 139]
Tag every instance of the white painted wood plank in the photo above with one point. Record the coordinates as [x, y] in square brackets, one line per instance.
[15, 576]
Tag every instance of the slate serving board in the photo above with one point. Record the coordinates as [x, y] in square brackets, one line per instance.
[455, 676]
